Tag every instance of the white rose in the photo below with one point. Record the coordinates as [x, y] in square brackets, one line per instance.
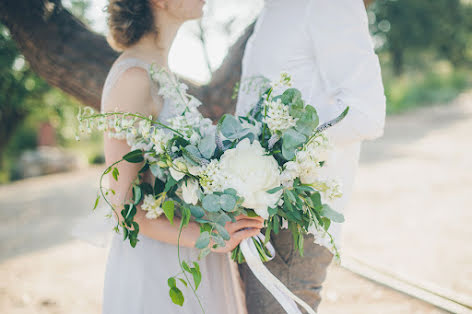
[251, 174]
[190, 191]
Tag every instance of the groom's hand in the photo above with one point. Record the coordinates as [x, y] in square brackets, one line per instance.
[244, 227]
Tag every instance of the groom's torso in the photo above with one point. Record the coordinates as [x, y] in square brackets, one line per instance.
[280, 42]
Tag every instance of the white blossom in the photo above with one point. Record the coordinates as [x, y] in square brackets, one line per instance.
[152, 206]
[278, 117]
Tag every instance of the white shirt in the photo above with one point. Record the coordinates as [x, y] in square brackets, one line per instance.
[326, 47]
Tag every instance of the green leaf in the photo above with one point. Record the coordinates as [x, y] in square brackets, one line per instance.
[231, 191]
[169, 184]
[203, 240]
[316, 199]
[156, 170]
[196, 211]
[230, 127]
[96, 201]
[176, 296]
[291, 196]
[134, 156]
[291, 140]
[227, 202]
[192, 154]
[168, 207]
[291, 95]
[222, 219]
[207, 146]
[326, 223]
[115, 173]
[171, 282]
[137, 194]
[211, 203]
[308, 122]
[204, 252]
[185, 266]
[185, 216]
[330, 213]
[222, 231]
[159, 186]
[197, 275]
[183, 281]
[107, 170]
[275, 190]
[144, 168]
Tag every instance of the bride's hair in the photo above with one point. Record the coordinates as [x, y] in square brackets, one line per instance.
[128, 21]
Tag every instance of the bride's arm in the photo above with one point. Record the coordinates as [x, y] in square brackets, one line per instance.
[339, 34]
[131, 94]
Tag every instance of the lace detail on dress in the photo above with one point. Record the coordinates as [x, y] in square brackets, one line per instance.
[167, 112]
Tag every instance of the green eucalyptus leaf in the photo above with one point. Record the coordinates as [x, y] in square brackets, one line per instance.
[223, 232]
[291, 140]
[211, 202]
[207, 146]
[222, 219]
[308, 122]
[196, 211]
[328, 212]
[227, 202]
[203, 240]
[231, 191]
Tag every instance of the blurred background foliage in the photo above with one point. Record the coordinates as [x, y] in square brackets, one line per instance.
[425, 49]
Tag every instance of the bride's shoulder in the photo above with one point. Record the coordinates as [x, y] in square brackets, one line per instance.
[131, 92]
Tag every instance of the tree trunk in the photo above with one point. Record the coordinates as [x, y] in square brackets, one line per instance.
[63, 51]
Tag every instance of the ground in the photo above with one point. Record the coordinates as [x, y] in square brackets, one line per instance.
[409, 211]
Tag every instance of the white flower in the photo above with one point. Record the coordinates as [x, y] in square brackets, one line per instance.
[211, 177]
[160, 138]
[321, 237]
[144, 128]
[284, 80]
[152, 206]
[251, 174]
[177, 171]
[190, 191]
[278, 117]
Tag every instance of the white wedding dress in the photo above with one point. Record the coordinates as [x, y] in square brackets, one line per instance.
[136, 278]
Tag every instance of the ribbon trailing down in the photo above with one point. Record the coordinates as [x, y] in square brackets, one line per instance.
[281, 293]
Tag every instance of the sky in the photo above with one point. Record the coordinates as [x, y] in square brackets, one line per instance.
[187, 55]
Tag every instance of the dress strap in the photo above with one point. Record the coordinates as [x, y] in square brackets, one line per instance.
[118, 69]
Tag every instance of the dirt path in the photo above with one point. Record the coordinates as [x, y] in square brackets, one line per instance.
[410, 211]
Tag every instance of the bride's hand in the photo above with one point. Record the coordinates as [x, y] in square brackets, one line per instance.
[238, 233]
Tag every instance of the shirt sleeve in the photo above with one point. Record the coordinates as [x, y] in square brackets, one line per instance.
[349, 68]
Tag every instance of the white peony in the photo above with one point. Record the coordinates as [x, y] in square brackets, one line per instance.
[190, 191]
[251, 174]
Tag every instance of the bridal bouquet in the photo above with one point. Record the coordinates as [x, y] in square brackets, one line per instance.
[266, 163]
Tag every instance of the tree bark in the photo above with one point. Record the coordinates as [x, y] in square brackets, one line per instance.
[63, 51]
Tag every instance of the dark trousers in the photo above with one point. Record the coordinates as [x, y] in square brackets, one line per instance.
[302, 275]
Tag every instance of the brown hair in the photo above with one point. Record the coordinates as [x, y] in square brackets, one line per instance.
[128, 21]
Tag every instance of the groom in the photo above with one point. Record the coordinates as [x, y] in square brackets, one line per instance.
[326, 48]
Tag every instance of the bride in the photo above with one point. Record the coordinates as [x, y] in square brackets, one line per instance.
[136, 278]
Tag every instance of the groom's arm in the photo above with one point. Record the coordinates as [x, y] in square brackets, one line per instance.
[349, 67]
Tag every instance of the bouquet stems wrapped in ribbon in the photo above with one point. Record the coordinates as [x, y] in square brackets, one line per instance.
[266, 163]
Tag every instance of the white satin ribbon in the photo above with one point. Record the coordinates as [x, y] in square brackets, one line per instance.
[281, 293]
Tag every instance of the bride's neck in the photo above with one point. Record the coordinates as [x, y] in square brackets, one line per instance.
[154, 48]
